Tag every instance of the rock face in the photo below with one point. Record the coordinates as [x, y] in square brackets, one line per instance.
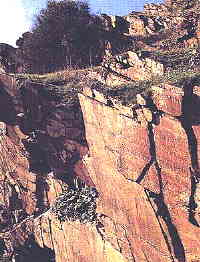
[126, 67]
[60, 126]
[171, 26]
[120, 199]
[146, 172]
[30, 160]
[154, 154]
[145, 167]
[143, 161]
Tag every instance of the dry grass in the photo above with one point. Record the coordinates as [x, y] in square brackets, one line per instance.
[64, 76]
[67, 83]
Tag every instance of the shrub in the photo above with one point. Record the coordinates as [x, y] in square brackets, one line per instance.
[64, 33]
[78, 203]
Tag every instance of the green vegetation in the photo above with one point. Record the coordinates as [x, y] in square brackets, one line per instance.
[65, 33]
[60, 77]
[126, 93]
[179, 77]
[78, 203]
[180, 58]
[62, 86]
[65, 85]
[181, 65]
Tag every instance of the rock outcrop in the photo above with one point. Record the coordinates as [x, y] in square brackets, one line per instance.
[160, 154]
[173, 25]
[42, 143]
[144, 165]
[143, 160]
[8, 58]
[126, 67]
[135, 164]
[132, 41]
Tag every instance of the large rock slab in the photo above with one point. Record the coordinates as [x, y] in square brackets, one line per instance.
[157, 157]
[120, 199]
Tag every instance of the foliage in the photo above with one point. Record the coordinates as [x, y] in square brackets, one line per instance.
[65, 85]
[62, 86]
[60, 77]
[78, 203]
[183, 4]
[65, 33]
[179, 78]
[126, 93]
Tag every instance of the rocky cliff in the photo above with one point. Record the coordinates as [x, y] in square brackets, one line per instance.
[86, 177]
[143, 161]
[131, 42]
[159, 152]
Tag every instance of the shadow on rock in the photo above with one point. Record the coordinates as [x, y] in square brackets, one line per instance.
[162, 209]
[191, 117]
[192, 206]
[32, 252]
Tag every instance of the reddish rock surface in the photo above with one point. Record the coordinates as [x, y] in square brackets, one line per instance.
[157, 157]
[30, 179]
[15, 177]
[145, 172]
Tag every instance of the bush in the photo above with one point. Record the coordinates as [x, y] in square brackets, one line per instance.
[65, 33]
[78, 203]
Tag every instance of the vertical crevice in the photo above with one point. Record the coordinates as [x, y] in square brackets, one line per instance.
[187, 120]
[192, 205]
[162, 209]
